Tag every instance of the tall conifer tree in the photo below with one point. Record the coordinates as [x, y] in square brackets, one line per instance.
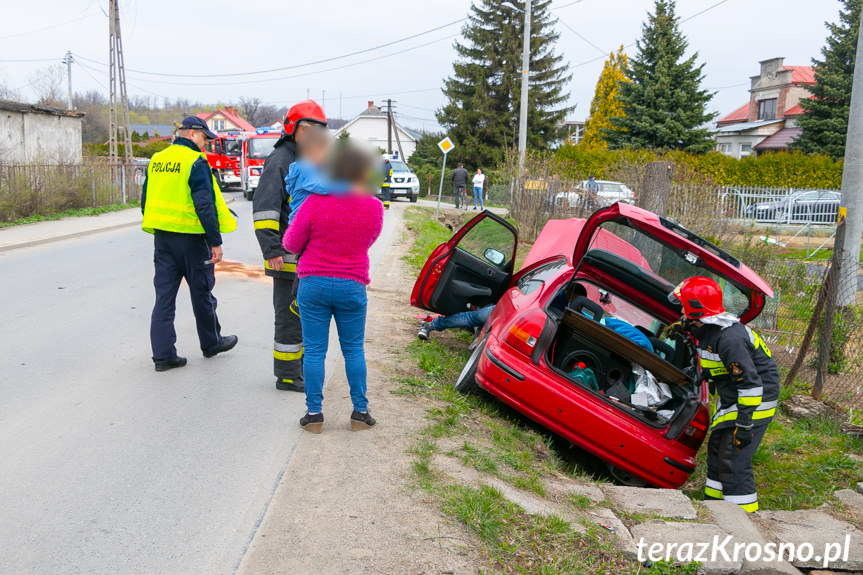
[483, 93]
[605, 104]
[664, 107]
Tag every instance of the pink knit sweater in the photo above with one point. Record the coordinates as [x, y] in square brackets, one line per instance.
[333, 235]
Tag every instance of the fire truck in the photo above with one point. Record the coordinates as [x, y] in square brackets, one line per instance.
[223, 155]
[257, 146]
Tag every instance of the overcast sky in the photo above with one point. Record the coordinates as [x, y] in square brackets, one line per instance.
[220, 36]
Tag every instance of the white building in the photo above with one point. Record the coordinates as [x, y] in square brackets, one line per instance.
[370, 128]
[31, 134]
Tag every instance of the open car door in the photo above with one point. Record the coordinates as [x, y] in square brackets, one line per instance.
[472, 270]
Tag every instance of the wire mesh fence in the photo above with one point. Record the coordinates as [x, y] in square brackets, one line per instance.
[41, 190]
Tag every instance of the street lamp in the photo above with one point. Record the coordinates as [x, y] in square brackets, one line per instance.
[525, 71]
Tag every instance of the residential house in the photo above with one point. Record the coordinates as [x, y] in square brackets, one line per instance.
[574, 131]
[370, 128]
[31, 134]
[767, 123]
[226, 119]
[153, 131]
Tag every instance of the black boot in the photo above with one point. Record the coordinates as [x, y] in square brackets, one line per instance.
[313, 423]
[290, 385]
[228, 343]
[166, 365]
[360, 420]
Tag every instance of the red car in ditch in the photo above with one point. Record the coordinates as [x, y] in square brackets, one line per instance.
[571, 309]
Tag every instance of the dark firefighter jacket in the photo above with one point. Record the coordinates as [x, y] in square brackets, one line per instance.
[270, 207]
[737, 363]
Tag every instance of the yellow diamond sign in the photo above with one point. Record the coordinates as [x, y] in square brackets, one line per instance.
[446, 145]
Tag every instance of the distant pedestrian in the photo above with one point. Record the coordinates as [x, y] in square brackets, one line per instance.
[478, 188]
[333, 234]
[184, 209]
[386, 191]
[592, 189]
[459, 183]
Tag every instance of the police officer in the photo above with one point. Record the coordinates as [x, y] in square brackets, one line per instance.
[737, 364]
[184, 209]
[388, 180]
[271, 212]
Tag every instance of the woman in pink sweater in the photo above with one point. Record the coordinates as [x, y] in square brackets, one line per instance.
[333, 235]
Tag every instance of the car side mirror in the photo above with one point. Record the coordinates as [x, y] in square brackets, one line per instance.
[494, 256]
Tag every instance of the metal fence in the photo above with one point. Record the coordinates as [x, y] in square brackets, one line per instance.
[29, 190]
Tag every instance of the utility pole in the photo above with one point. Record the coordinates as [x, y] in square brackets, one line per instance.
[68, 61]
[852, 187]
[117, 84]
[525, 72]
[389, 127]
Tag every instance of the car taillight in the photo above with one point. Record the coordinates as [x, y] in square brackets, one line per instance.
[693, 435]
[524, 333]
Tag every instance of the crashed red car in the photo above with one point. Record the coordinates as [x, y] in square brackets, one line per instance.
[646, 412]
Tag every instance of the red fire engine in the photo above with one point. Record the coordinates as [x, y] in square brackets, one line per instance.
[257, 146]
[224, 155]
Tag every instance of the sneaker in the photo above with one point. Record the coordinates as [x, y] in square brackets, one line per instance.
[290, 385]
[166, 365]
[360, 421]
[313, 423]
[424, 332]
[228, 343]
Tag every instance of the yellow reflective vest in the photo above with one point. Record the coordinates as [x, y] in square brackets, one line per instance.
[169, 206]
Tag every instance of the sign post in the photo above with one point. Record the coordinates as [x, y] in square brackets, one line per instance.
[446, 147]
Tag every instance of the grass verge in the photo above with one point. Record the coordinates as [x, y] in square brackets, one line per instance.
[75, 212]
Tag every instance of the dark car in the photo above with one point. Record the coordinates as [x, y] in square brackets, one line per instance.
[643, 407]
[803, 207]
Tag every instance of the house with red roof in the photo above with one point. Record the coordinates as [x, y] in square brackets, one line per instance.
[226, 119]
[767, 123]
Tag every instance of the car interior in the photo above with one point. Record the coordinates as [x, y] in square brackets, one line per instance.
[613, 363]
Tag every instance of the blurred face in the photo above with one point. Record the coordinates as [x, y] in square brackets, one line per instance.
[316, 154]
[199, 138]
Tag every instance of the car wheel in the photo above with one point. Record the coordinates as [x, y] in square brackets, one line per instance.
[466, 382]
[414, 199]
[249, 194]
[625, 477]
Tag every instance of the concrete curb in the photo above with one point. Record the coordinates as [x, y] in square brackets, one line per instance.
[67, 236]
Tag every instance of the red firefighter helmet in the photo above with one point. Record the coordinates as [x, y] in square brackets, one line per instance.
[699, 296]
[307, 110]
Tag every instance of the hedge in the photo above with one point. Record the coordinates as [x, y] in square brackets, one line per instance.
[779, 170]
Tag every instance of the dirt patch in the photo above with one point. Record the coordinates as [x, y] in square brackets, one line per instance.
[237, 269]
[345, 503]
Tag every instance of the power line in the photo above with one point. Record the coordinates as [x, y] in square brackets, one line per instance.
[571, 29]
[279, 78]
[51, 27]
[295, 66]
[631, 44]
[34, 60]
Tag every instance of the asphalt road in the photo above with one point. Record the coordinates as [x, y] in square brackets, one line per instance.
[107, 467]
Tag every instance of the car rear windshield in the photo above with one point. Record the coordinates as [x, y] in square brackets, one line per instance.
[643, 262]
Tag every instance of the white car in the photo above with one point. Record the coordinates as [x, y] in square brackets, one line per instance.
[405, 183]
[607, 193]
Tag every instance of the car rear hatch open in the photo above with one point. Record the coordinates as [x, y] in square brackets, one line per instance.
[643, 257]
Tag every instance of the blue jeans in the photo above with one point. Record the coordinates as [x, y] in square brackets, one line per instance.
[321, 299]
[477, 193]
[475, 318]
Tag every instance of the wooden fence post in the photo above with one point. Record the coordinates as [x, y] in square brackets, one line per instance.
[825, 342]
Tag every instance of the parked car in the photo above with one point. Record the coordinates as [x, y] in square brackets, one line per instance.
[803, 207]
[405, 183]
[606, 194]
[540, 339]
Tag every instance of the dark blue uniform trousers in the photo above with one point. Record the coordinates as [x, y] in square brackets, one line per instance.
[179, 256]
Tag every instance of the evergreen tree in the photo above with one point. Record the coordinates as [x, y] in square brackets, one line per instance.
[484, 91]
[663, 104]
[605, 104]
[136, 137]
[825, 121]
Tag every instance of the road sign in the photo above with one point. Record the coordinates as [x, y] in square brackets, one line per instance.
[446, 145]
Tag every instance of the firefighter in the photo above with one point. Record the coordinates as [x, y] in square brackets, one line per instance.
[738, 367]
[270, 212]
[386, 195]
[184, 209]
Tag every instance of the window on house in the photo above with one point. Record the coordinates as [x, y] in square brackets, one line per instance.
[767, 109]
[745, 149]
[724, 148]
[218, 124]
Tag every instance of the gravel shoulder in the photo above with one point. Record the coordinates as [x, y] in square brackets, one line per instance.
[345, 503]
